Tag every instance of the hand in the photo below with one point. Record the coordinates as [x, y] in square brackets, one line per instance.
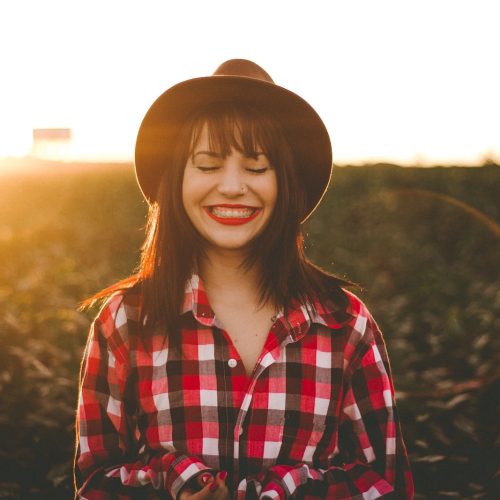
[212, 488]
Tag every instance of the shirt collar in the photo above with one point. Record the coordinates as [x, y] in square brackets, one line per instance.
[330, 314]
[297, 320]
[196, 301]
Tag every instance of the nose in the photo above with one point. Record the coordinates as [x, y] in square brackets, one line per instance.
[231, 182]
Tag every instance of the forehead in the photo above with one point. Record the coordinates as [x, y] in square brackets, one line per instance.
[224, 135]
[200, 138]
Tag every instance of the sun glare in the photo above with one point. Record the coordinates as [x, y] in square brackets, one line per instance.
[416, 86]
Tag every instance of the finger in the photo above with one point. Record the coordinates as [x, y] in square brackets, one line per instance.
[219, 488]
[210, 491]
[222, 476]
[214, 486]
[204, 479]
[194, 485]
[203, 494]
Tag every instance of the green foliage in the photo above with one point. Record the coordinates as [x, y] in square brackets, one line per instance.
[423, 244]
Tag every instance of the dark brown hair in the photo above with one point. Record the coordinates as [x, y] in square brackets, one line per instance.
[173, 246]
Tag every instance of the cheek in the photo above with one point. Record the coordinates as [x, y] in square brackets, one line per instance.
[188, 191]
[273, 191]
[193, 193]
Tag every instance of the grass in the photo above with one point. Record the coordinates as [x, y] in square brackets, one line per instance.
[423, 243]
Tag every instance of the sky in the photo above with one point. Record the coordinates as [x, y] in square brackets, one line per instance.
[410, 82]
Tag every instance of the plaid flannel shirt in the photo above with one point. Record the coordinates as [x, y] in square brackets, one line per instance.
[315, 420]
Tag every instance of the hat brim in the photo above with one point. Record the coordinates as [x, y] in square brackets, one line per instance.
[303, 127]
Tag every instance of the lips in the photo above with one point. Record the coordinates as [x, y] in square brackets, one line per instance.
[232, 215]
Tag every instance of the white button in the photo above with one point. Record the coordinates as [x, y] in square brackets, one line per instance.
[232, 362]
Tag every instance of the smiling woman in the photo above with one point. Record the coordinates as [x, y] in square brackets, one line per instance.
[235, 190]
[230, 366]
[228, 180]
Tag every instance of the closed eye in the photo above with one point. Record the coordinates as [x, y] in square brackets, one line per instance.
[207, 169]
[257, 170]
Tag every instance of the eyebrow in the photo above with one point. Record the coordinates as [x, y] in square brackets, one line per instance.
[208, 153]
[214, 154]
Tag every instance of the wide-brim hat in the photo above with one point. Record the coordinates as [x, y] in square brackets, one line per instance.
[243, 81]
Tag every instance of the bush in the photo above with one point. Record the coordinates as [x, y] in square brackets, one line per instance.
[423, 243]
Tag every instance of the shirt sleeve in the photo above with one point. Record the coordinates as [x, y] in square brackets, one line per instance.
[372, 461]
[111, 461]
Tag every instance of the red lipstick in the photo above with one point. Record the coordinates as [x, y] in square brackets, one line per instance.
[232, 221]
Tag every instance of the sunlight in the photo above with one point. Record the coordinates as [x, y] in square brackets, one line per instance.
[385, 91]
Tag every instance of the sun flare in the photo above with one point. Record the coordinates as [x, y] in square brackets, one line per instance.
[385, 91]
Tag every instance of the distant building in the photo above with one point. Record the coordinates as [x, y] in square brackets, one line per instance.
[51, 143]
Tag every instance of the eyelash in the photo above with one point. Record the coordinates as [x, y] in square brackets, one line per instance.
[207, 169]
[257, 170]
[251, 170]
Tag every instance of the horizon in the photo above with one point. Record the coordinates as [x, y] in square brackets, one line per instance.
[32, 164]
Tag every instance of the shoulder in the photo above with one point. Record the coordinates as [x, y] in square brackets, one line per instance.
[118, 318]
[362, 320]
[352, 318]
[357, 308]
[365, 336]
[121, 307]
[341, 308]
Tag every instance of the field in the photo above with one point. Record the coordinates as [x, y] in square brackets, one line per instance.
[423, 244]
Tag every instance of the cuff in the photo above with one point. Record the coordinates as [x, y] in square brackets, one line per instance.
[180, 469]
[273, 486]
[281, 481]
[272, 492]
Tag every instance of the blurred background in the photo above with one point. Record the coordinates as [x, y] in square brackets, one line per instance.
[409, 93]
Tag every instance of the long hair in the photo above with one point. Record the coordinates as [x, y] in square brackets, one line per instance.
[172, 245]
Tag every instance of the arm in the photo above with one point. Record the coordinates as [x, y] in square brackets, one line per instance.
[372, 460]
[112, 459]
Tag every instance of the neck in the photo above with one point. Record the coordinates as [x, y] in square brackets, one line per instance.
[224, 272]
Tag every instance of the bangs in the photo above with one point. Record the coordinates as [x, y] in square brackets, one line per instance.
[235, 126]
[250, 131]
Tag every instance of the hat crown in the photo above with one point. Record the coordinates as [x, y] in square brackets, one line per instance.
[243, 67]
[239, 81]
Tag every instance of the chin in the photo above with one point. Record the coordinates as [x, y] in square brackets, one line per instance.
[228, 246]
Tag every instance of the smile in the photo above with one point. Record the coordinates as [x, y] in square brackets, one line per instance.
[232, 214]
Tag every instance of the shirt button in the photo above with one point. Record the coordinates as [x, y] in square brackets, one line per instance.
[232, 363]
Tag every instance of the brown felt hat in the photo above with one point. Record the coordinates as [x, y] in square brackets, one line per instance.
[244, 81]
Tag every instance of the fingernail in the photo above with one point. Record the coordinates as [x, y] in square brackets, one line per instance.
[205, 478]
[223, 475]
[213, 487]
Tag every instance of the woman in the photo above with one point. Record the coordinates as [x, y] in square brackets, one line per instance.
[229, 366]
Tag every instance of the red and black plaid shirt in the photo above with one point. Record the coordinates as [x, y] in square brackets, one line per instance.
[316, 419]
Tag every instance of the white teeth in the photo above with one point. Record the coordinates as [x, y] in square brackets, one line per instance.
[229, 213]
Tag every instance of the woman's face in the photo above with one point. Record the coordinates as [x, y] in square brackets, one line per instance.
[228, 199]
